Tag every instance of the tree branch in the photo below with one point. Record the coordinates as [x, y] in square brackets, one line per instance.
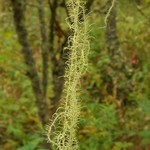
[141, 12]
[19, 18]
[45, 53]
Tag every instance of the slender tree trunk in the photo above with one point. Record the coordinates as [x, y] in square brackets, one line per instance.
[45, 50]
[116, 55]
[45, 56]
[111, 31]
[113, 47]
[58, 65]
[19, 21]
[53, 8]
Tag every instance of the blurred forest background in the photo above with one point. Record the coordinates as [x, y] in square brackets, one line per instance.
[115, 90]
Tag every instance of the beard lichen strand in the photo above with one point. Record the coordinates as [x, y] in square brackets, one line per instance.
[109, 11]
[64, 123]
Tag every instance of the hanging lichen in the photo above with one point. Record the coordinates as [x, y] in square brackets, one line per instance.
[62, 130]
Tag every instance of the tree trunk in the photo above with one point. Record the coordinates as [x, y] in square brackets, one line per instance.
[19, 19]
[57, 65]
[111, 31]
[45, 50]
[117, 63]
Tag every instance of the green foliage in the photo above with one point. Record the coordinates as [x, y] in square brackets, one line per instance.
[122, 146]
[106, 123]
[98, 127]
[32, 143]
[19, 124]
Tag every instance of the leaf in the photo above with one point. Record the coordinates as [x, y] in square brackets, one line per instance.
[122, 145]
[31, 145]
[16, 131]
[145, 134]
[145, 106]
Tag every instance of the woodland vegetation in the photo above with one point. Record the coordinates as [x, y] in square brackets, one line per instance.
[114, 90]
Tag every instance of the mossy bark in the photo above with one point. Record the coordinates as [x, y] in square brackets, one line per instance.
[117, 60]
[19, 21]
[45, 50]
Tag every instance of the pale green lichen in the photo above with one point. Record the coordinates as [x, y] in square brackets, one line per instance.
[62, 131]
[109, 11]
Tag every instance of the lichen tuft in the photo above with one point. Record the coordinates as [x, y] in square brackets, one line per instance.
[62, 130]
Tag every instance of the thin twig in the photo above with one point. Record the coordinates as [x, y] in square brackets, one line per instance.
[141, 12]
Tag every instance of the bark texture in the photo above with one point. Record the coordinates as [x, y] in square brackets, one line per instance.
[57, 65]
[117, 62]
[45, 51]
[19, 21]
